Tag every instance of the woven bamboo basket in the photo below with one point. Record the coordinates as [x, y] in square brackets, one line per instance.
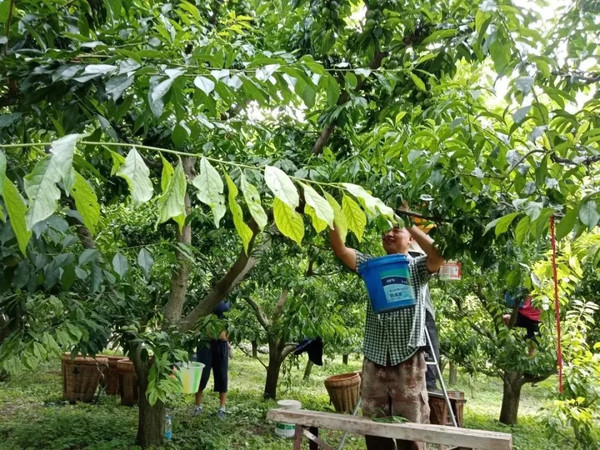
[344, 390]
[111, 375]
[81, 376]
[128, 384]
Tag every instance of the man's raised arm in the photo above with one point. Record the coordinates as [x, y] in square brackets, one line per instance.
[434, 259]
[346, 254]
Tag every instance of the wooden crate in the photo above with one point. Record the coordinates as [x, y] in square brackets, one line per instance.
[439, 414]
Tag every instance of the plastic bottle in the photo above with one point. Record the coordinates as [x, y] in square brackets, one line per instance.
[168, 427]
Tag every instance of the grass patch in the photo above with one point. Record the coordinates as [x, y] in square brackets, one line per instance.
[35, 416]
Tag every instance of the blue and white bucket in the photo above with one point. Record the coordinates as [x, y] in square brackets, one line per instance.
[388, 282]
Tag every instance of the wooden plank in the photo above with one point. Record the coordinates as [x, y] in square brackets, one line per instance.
[436, 434]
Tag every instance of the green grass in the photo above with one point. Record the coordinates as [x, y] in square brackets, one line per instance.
[35, 416]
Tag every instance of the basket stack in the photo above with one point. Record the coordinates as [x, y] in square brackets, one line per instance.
[111, 377]
[344, 390]
[81, 376]
[128, 383]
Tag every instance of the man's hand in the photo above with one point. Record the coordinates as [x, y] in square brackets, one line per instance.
[434, 259]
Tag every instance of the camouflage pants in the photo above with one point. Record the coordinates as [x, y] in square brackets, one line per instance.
[398, 390]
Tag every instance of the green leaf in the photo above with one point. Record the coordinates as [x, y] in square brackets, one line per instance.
[187, 6]
[241, 227]
[167, 174]
[539, 226]
[288, 221]
[43, 193]
[210, 189]
[351, 80]
[500, 52]
[62, 151]
[282, 186]
[522, 229]
[252, 198]
[333, 91]
[158, 90]
[504, 222]
[120, 265]
[320, 206]
[355, 217]
[372, 204]
[2, 170]
[118, 161]
[566, 224]
[418, 82]
[145, 261]
[117, 85]
[439, 34]
[318, 224]
[137, 175]
[206, 85]
[520, 114]
[86, 202]
[88, 255]
[15, 208]
[533, 209]
[171, 204]
[338, 216]
[588, 214]
[5, 7]
[41, 183]
[524, 84]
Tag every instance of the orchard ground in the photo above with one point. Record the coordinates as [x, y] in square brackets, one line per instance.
[35, 416]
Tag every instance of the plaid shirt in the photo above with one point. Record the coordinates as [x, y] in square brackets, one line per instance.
[397, 334]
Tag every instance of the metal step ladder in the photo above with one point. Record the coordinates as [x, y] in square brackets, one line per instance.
[435, 362]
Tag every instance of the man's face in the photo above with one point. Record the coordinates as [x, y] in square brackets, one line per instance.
[396, 240]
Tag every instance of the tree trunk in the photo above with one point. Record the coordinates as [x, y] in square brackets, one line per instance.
[151, 418]
[345, 359]
[453, 373]
[275, 361]
[308, 370]
[511, 396]
[254, 349]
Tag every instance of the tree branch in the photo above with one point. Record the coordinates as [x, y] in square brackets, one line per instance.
[328, 130]
[587, 161]
[401, 212]
[482, 332]
[289, 348]
[260, 315]
[280, 304]
[237, 272]
[529, 378]
[253, 357]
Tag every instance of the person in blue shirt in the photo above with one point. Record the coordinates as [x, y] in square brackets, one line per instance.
[214, 356]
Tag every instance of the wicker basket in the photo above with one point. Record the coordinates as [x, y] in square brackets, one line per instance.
[81, 376]
[344, 391]
[128, 385]
[110, 381]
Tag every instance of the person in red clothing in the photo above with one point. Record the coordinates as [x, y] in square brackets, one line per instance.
[528, 317]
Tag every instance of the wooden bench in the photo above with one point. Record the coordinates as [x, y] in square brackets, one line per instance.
[436, 434]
